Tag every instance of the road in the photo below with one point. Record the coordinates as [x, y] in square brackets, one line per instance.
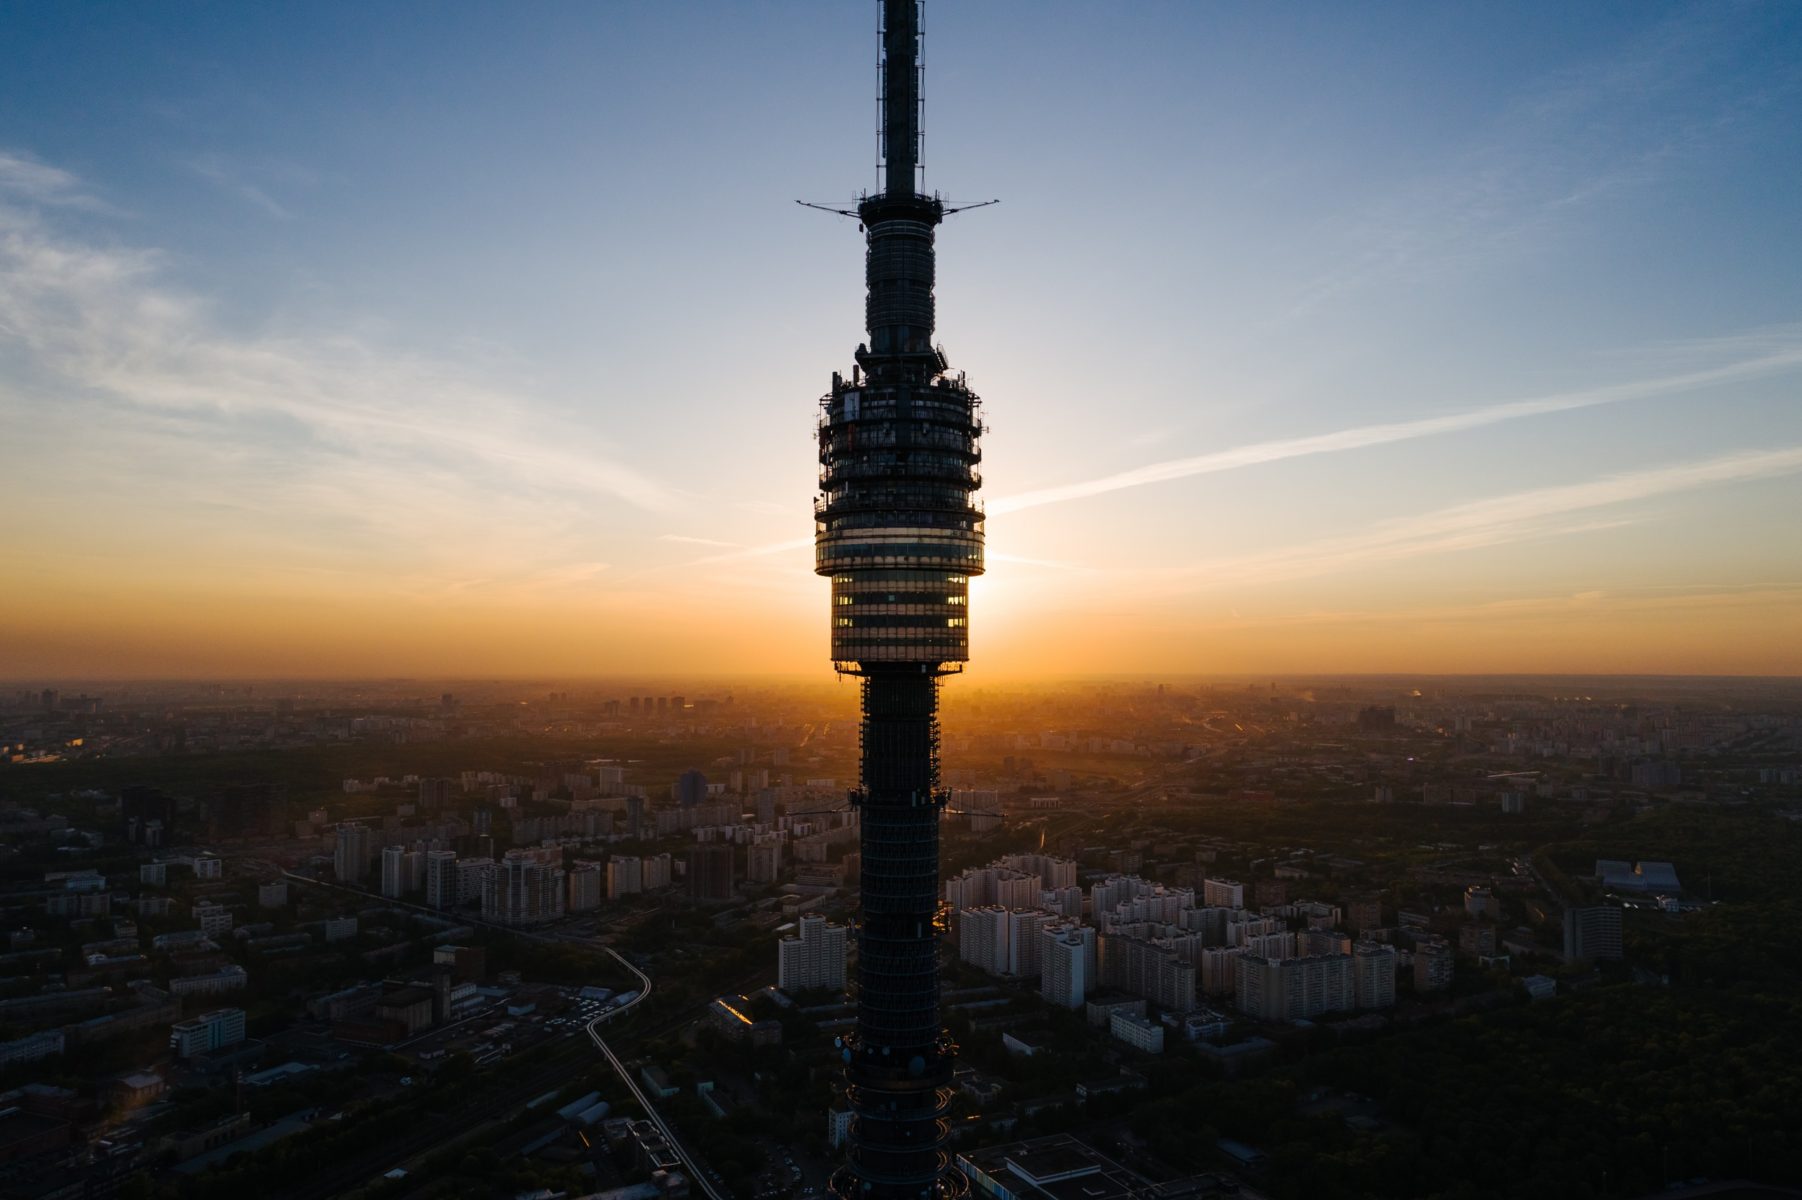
[696, 1175]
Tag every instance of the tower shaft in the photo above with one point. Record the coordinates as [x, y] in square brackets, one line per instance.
[899, 533]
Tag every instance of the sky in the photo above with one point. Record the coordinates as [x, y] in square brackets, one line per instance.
[463, 339]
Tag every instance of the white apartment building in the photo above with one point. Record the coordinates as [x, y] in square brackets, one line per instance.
[1137, 1032]
[1065, 974]
[813, 957]
[208, 1032]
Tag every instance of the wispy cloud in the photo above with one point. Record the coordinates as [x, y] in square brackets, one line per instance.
[330, 439]
[215, 169]
[1762, 353]
[23, 178]
[1785, 356]
[1050, 564]
[1538, 513]
[1488, 613]
[748, 552]
[686, 540]
[1565, 143]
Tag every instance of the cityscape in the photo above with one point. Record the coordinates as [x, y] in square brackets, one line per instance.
[1265, 937]
[1337, 735]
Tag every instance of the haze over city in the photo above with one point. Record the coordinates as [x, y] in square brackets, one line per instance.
[341, 341]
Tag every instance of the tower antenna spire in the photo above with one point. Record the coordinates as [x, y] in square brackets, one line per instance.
[899, 72]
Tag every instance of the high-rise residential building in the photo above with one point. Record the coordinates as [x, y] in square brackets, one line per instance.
[763, 859]
[1219, 970]
[712, 876]
[441, 878]
[1321, 941]
[585, 887]
[1223, 893]
[1023, 946]
[1432, 964]
[355, 849]
[813, 957]
[1140, 967]
[1295, 989]
[1066, 902]
[473, 876]
[1373, 975]
[982, 937]
[1064, 975]
[1592, 934]
[657, 871]
[403, 871]
[521, 890]
[625, 876]
[208, 1032]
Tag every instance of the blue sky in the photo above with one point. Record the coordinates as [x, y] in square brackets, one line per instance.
[446, 319]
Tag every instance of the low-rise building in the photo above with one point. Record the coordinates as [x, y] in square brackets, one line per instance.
[208, 1032]
[1137, 1032]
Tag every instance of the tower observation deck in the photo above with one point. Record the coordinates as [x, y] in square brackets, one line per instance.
[899, 533]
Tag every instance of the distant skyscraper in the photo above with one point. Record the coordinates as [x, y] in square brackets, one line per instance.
[691, 788]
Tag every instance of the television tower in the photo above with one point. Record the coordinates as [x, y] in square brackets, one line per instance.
[899, 533]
